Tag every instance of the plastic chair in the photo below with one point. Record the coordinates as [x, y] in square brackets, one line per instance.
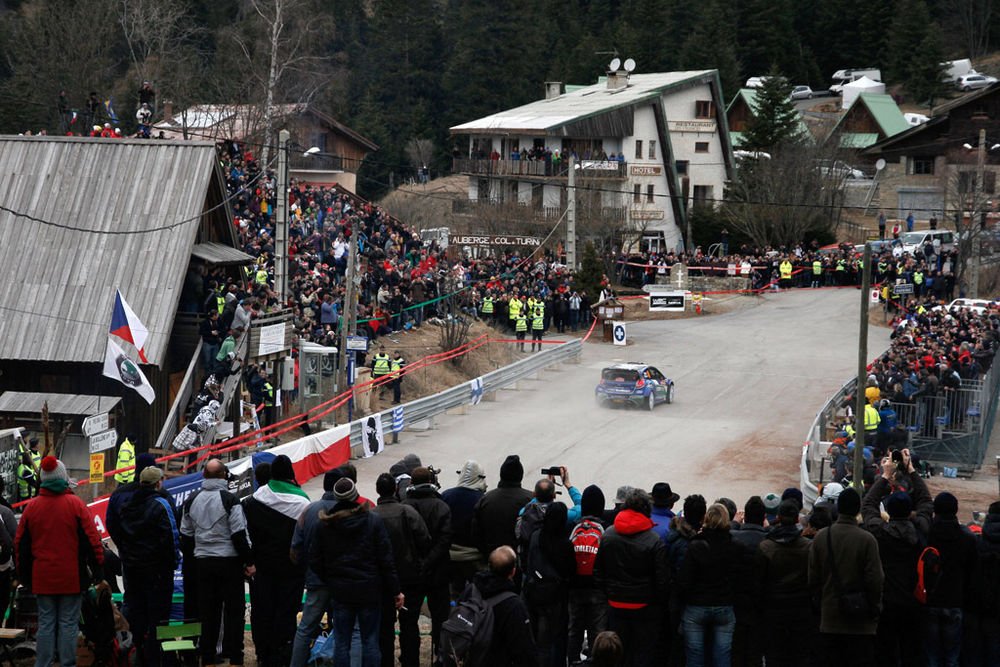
[178, 637]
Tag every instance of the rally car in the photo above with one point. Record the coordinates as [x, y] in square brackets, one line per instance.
[637, 384]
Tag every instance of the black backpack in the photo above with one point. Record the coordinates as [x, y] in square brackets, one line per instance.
[541, 580]
[467, 634]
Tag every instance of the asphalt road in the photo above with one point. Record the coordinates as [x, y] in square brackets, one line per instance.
[748, 384]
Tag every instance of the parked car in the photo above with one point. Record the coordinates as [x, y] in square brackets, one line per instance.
[974, 82]
[839, 169]
[978, 306]
[942, 239]
[802, 93]
[633, 384]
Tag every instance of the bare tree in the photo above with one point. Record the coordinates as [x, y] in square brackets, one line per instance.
[455, 326]
[974, 19]
[967, 200]
[419, 152]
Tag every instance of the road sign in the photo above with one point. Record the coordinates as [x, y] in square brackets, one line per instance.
[357, 343]
[103, 440]
[873, 295]
[96, 468]
[902, 288]
[95, 424]
[618, 333]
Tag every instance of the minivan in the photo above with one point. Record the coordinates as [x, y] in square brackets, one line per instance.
[913, 242]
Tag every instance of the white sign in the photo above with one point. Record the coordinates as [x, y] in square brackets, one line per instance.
[357, 343]
[103, 440]
[618, 334]
[372, 439]
[873, 296]
[95, 424]
[692, 125]
[272, 339]
[667, 301]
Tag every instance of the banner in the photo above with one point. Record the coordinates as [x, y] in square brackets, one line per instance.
[372, 438]
[477, 390]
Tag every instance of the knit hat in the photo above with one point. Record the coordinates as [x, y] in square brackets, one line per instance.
[143, 461]
[791, 493]
[849, 502]
[150, 475]
[945, 504]
[771, 503]
[511, 469]
[898, 505]
[345, 491]
[592, 501]
[788, 509]
[53, 468]
[281, 468]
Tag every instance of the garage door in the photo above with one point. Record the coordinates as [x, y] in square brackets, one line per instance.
[922, 202]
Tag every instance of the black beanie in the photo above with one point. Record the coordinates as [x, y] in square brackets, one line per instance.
[511, 469]
[281, 468]
[330, 478]
[849, 502]
[898, 505]
[143, 461]
[945, 504]
[592, 502]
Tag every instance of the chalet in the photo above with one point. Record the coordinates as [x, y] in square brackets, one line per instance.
[871, 118]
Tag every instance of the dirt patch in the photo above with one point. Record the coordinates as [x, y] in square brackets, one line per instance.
[762, 456]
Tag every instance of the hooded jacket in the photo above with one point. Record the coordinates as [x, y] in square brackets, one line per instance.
[409, 537]
[149, 538]
[782, 567]
[213, 520]
[631, 565]
[495, 516]
[352, 555]
[462, 501]
[437, 516]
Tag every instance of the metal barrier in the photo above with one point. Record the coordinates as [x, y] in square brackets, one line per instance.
[814, 466]
[425, 409]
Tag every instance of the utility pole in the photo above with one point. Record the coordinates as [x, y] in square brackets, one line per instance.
[281, 221]
[571, 215]
[974, 235]
[348, 319]
[859, 399]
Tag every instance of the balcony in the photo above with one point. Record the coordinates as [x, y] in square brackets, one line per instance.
[512, 211]
[588, 169]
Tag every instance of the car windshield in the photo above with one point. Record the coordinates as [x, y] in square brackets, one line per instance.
[912, 238]
[620, 375]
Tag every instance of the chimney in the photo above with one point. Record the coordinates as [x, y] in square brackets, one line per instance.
[617, 79]
[168, 110]
[553, 89]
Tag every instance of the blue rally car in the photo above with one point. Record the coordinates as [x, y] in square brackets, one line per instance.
[636, 384]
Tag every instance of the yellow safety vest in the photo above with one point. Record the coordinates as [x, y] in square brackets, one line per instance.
[397, 364]
[786, 270]
[220, 303]
[262, 277]
[126, 458]
[872, 419]
[514, 308]
[817, 267]
[25, 482]
[488, 305]
[840, 265]
[522, 323]
[380, 365]
[268, 395]
[538, 321]
[918, 278]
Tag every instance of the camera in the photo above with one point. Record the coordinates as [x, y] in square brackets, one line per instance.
[897, 458]
[555, 471]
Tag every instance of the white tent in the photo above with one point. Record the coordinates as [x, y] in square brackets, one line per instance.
[855, 88]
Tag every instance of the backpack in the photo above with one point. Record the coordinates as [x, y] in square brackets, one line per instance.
[467, 634]
[542, 582]
[586, 538]
[528, 524]
[928, 573]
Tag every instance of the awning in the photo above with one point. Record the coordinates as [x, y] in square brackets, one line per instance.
[29, 402]
[220, 254]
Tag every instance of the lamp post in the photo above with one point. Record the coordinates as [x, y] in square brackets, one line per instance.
[859, 399]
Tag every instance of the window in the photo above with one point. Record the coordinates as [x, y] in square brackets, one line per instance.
[652, 150]
[650, 189]
[704, 109]
[922, 165]
[682, 167]
[638, 149]
[702, 195]
[637, 193]
[701, 147]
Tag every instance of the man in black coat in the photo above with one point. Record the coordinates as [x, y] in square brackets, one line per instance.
[512, 644]
[987, 641]
[496, 512]
[423, 496]
[410, 545]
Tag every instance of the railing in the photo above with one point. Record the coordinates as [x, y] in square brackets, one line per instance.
[426, 408]
[172, 424]
[611, 169]
[230, 389]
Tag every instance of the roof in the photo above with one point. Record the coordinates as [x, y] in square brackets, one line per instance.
[106, 213]
[883, 110]
[858, 139]
[543, 116]
[30, 402]
[220, 254]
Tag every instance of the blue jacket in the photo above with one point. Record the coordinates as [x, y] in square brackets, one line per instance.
[305, 532]
[661, 518]
[575, 512]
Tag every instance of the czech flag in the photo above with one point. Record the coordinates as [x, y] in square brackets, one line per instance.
[126, 325]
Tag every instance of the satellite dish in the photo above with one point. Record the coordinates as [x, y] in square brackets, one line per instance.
[880, 164]
[629, 65]
[615, 64]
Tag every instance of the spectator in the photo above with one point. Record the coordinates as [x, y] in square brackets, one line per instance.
[714, 562]
[663, 508]
[986, 643]
[952, 590]
[682, 530]
[352, 554]
[210, 340]
[782, 567]
[57, 529]
[512, 644]
[8, 530]
[545, 495]
[462, 499]
[214, 526]
[410, 545]
[588, 605]
[747, 644]
[549, 564]
[149, 545]
[496, 513]
[846, 575]
[423, 496]
[272, 513]
[631, 568]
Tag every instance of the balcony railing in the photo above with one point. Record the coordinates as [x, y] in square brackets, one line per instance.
[607, 169]
[515, 211]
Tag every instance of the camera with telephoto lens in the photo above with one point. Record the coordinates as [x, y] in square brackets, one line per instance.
[555, 471]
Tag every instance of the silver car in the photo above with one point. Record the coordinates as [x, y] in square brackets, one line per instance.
[974, 82]
[801, 93]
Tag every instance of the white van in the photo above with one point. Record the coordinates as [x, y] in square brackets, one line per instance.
[912, 242]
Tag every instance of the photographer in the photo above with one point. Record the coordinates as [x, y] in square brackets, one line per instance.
[545, 494]
[900, 541]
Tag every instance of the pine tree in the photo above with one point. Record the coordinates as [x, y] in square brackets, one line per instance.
[588, 278]
[710, 45]
[775, 122]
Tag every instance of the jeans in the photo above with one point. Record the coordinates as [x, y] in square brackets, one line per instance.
[588, 612]
[706, 627]
[344, 618]
[317, 603]
[639, 630]
[208, 353]
[58, 626]
[943, 636]
[548, 622]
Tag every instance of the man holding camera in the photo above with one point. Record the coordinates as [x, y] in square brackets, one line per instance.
[533, 513]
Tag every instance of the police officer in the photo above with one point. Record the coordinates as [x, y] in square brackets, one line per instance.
[36, 456]
[488, 308]
[521, 329]
[381, 366]
[261, 276]
[396, 366]
[126, 458]
[817, 272]
[537, 326]
[267, 392]
[27, 479]
[514, 308]
[786, 273]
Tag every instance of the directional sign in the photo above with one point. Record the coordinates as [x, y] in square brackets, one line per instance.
[103, 440]
[618, 333]
[95, 424]
[357, 343]
[902, 288]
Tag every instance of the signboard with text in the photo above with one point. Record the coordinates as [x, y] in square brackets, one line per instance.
[96, 468]
[667, 302]
[95, 424]
[103, 440]
[489, 240]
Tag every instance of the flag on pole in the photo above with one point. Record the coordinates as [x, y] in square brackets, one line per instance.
[118, 366]
[126, 325]
[109, 108]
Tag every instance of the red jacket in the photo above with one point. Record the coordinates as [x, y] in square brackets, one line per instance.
[57, 530]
